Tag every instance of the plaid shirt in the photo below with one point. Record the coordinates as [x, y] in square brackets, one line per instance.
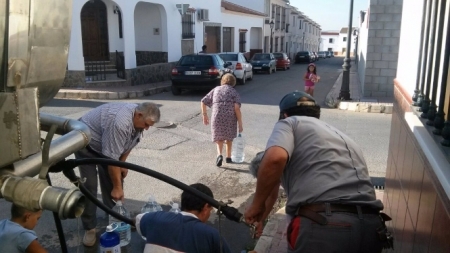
[112, 129]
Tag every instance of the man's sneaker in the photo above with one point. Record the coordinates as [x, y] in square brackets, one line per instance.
[90, 236]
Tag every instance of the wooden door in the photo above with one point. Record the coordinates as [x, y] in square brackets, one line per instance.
[94, 30]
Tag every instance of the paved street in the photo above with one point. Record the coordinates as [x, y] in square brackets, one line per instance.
[185, 152]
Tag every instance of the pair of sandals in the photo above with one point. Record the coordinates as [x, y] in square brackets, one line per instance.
[219, 160]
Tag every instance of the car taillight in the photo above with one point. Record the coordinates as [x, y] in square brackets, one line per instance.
[213, 71]
[238, 66]
[174, 71]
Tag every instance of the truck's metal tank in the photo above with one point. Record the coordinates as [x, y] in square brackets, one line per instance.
[34, 46]
[34, 37]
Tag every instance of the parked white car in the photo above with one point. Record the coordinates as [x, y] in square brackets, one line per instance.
[242, 69]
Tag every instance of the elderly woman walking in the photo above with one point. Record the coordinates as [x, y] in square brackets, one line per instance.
[226, 112]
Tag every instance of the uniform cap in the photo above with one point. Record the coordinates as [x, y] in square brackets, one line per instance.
[296, 98]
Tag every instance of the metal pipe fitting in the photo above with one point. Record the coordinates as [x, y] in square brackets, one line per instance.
[35, 194]
[76, 135]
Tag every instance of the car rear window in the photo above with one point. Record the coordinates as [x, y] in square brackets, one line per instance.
[303, 53]
[229, 57]
[278, 56]
[261, 57]
[196, 60]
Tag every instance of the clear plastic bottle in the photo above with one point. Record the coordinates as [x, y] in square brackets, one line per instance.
[237, 150]
[123, 228]
[149, 207]
[110, 240]
[175, 208]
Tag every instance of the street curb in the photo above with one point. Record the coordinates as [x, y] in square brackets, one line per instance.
[332, 101]
[371, 107]
[98, 94]
[274, 233]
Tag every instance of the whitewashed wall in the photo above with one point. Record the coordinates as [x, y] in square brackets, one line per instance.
[146, 19]
[409, 44]
[243, 21]
[362, 52]
[115, 43]
[326, 43]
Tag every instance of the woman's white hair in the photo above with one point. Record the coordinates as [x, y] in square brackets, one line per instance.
[254, 164]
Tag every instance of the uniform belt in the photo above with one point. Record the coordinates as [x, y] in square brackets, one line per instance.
[312, 211]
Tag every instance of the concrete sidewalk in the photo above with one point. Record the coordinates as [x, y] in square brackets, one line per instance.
[359, 103]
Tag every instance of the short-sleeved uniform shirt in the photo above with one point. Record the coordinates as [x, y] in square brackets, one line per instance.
[168, 232]
[112, 129]
[14, 238]
[324, 165]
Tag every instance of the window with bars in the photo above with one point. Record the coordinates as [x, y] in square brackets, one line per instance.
[119, 15]
[276, 45]
[277, 18]
[273, 11]
[242, 42]
[187, 24]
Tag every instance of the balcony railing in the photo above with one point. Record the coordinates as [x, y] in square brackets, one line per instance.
[432, 84]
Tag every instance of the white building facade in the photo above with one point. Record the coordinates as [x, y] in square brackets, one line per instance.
[142, 39]
[330, 41]
[131, 42]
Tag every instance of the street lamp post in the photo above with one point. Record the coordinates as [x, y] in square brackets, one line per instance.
[356, 33]
[344, 94]
[271, 24]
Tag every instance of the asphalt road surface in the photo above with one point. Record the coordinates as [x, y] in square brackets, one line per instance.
[185, 152]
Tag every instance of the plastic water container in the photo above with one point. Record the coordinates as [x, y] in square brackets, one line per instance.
[150, 207]
[237, 150]
[175, 208]
[124, 229]
[110, 240]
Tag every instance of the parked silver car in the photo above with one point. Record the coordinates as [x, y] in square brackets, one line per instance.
[242, 69]
[322, 54]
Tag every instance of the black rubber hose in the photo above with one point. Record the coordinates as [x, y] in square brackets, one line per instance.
[229, 212]
[58, 224]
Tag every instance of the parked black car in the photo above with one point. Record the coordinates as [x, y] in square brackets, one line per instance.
[264, 62]
[304, 56]
[198, 72]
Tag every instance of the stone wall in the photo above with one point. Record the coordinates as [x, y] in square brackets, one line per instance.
[148, 58]
[187, 47]
[149, 74]
[382, 47]
[154, 73]
[74, 79]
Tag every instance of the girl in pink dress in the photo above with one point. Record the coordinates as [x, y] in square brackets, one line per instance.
[311, 78]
